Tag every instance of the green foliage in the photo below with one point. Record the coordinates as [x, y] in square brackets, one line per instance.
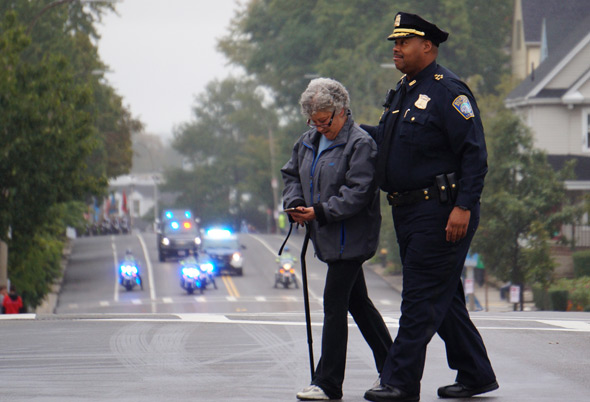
[35, 265]
[577, 290]
[228, 147]
[581, 263]
[521, 196]
[62, 131]
[558, 299]
[282, 43]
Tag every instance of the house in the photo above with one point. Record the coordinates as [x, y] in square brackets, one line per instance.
[551, 53]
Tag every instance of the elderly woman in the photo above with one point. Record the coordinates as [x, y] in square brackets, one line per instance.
[330, 182]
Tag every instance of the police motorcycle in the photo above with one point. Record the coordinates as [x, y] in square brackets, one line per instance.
[129, 275]
[285, 274]
[196, 274]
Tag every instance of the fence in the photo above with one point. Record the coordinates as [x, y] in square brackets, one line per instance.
[579, 233]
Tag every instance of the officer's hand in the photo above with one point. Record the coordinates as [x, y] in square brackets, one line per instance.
[457, 224]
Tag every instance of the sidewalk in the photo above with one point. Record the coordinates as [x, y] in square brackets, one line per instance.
[489, 298]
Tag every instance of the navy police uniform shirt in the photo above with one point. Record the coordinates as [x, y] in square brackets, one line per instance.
[437, 129]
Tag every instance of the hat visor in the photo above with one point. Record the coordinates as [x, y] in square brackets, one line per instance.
[395, 36]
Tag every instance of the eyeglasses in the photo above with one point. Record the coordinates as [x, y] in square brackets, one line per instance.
[322, 125]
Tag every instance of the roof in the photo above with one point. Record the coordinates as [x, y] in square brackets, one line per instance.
[562, 45]
[557, 14]
[581, 170]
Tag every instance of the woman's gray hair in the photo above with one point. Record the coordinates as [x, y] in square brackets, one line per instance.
[323, 94]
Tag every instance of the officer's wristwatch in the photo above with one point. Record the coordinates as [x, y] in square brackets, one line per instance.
[462, 207]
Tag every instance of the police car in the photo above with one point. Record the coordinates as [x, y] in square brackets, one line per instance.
[224, 251]
[177, 234]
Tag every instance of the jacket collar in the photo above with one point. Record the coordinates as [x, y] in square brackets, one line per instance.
[421, 76]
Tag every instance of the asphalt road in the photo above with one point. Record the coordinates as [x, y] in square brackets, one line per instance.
[245, 341]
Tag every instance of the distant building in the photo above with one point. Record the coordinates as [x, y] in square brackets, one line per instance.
[551, 53]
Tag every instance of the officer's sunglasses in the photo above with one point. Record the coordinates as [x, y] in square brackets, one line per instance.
[322, 125]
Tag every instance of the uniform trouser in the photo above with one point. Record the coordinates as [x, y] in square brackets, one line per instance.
[433, 300]
[346, 291]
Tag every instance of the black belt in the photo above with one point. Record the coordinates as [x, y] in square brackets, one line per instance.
[412, 197]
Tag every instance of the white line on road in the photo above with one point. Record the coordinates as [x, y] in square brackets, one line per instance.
[260, 298]
[104, 303]
[116, 264]
[150, 272]
[231, 298]
[200, 299]
[167, 300]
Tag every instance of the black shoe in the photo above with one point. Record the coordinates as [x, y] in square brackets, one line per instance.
[458, 390]
[386, 393]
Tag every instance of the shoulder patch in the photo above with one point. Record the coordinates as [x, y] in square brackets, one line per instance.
[462, 105]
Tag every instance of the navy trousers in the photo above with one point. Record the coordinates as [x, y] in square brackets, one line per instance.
[433, 300]
[346, 291]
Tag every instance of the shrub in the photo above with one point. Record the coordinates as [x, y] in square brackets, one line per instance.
[558, 299]
[581, 263]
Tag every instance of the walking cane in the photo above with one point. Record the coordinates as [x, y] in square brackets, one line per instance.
[305, 294]
[306, 298]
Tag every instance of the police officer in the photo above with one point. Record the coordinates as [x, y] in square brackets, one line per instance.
[432, 162]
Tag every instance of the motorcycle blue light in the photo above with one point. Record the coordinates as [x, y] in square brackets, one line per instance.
[169, 215]
[187, 214]
[207, 267]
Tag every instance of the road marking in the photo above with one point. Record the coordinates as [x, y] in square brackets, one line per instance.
[200, 299]
[575, 325]
[385, 302]
[260, 298]
[136, 301]
[167, 300]
[116, 264]
[290, 298]
[148, 264]
[231, 298]
[104, 303]
[230, 286]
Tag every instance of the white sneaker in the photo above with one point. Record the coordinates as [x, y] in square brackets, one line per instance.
[312, 393]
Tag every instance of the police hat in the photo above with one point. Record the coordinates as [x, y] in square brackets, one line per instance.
[407, 25]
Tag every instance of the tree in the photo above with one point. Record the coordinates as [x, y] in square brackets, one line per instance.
[281, 43]
[227, 147]
[521, 198]
[55, 113]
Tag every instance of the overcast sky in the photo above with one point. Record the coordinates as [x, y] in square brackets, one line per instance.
[162, 54]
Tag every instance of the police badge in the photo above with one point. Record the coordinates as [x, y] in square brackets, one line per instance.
[422, 101]
[462, 105]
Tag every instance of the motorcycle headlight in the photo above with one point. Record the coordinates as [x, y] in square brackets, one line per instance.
[287, 266]
[191, 272]
[129, 269]
[166, 241]
[197, 241]
[236, 257]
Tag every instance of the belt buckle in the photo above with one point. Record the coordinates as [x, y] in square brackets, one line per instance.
[393, 197]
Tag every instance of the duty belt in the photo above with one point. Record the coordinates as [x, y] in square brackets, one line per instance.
[412, 197]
